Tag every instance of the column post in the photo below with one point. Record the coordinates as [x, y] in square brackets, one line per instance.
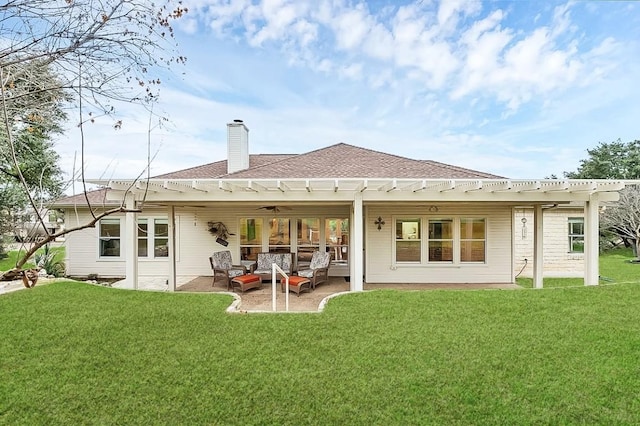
[357, 243]
[591, 241]
[538, 247]
[172, 249]
[131, 242]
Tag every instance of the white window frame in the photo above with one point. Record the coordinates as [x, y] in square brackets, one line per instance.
[408, 238]
[101, 238]
[571, 236]
[456, 241]
[151, 237]
[484, 240]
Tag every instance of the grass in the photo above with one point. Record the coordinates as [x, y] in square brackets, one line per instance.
[614, 268]
[73, 353]
[10, 261]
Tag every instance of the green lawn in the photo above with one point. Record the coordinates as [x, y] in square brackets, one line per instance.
[614, 268]
[10, 261]
[72, 353]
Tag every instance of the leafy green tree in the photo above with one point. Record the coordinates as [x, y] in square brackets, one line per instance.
[614, 160]
[86, 54]
[31, 117]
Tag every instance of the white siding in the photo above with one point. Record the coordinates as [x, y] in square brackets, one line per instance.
[558, 261]
[194, 242]
[380, 265]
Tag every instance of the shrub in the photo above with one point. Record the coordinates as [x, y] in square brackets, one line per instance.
[46, 259]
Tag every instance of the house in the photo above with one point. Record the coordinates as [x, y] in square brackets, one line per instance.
[384, 218]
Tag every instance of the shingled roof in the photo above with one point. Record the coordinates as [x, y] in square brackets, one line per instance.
[219, 168]
[336, 161]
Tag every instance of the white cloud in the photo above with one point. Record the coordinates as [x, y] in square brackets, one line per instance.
[469, 83]
[351, 27]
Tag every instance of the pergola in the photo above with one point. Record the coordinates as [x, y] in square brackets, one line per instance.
[362, 191]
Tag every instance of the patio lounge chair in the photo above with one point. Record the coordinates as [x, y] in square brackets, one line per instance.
[266, 260]
[224, 269]
[318, 271]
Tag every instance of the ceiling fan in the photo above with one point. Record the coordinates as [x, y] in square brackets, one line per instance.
[275, 209]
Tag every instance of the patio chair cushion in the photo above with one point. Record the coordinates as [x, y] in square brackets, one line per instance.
[306, 273]
[286, 262]
[295, 280]
[265, 260]
[235, 273]
[318, 270]
[222, 259]
[320, 259]
[296, 284]
[249, 278]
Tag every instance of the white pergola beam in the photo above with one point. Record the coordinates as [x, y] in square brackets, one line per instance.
[561, 185]
[197, 186]
[449, 185]
[281, 186]
[545, 190]
[471, 186]
[527, 186]
[119, 186]
[420, 186]
[389, 186]
[611, 186]
[224, 186]
[148, 186]
[173, 186]
[504, 185]
[255, 187]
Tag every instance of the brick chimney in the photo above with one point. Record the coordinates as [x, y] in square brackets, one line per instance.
[237, 146]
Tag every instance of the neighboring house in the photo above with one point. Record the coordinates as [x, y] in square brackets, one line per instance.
[27, 228]
[384, 218]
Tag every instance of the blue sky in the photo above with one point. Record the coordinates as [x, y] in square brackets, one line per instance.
[517, 88]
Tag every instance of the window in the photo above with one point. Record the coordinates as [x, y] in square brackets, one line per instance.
[110, 237]
[250, 238]
[153, 233]
[308, 238]
[143, 234]
[408, 240]
[160, 238]
[472, 240]
[440, 240]
[336, 232]
[279, 235]
[576, 235]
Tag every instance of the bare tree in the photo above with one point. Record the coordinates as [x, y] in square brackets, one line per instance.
[623, 217]
[97, 54]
